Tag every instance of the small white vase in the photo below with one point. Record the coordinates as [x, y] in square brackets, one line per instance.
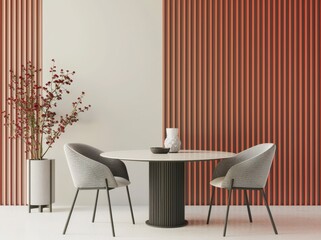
[172, 140]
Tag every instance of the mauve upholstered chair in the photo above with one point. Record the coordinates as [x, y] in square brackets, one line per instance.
[248, 170]
[91, 171]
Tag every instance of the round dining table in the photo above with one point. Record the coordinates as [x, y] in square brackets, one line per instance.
[166, 181]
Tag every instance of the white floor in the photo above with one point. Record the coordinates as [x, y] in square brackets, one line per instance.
[292, 223]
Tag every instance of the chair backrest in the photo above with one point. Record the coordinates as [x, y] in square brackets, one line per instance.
[252, 168]
[255, 151]
[85, 150]
[116, 166]
[85, 170]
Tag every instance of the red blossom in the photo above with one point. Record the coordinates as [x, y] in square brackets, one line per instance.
[35, 120]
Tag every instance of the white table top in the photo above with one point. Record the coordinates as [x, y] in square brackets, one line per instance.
[181, 156]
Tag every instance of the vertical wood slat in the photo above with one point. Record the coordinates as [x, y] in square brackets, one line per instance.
[1, 97]
[21, 41]
[239, 73]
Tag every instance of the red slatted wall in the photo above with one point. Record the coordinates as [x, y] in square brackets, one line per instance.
[241, 72]
[21, 41]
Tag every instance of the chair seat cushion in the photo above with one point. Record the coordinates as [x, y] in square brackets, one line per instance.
[122, 182]
[217, 182]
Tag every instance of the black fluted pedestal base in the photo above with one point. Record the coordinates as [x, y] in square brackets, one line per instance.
[165, 226]
[166, 194]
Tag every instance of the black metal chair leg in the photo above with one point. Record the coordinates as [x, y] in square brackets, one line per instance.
[72, 208]
[210, 209]
[248, 205]
[269, 211]
[94, 215]
[110, 212]
[130, 205]
[228, 207]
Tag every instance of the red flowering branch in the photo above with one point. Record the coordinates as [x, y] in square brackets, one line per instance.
[36, 119]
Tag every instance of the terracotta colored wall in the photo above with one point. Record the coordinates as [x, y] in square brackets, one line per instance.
[21, 41]
[241, 72]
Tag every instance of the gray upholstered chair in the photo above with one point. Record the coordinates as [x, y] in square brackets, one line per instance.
[91, 171]
[248, 170]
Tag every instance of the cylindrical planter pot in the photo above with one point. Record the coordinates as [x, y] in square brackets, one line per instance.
[172, 140]
[41, 184]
